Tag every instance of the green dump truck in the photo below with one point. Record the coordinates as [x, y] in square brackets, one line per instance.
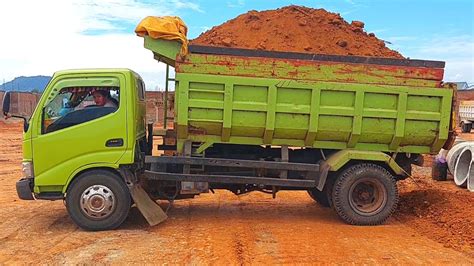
[343, 128]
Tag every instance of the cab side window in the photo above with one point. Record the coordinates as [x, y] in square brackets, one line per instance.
[76, 105]
[140, 89]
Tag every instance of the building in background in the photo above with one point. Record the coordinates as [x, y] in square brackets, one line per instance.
[155, 107]
[462, 85]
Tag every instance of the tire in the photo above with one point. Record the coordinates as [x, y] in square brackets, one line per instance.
[107, 192]
[320, 197]
[324, 198]
[439, 171]
[466, 128]
[365, 194]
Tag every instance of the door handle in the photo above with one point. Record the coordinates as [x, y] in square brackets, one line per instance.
[114, 143]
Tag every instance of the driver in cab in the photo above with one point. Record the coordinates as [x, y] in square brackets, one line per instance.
[102, 98]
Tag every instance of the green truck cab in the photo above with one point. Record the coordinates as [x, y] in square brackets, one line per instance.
[68, 135]
[61, 145]
[345, 129]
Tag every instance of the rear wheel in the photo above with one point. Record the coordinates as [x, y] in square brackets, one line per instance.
[365, 194]
[98, 200]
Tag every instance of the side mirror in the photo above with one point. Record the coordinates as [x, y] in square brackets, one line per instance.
[6, 110]
[6, 103]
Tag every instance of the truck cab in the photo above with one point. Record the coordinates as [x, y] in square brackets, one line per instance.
[70, 134]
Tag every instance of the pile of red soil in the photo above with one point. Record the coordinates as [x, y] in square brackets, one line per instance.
[297, 29]
[439, 210]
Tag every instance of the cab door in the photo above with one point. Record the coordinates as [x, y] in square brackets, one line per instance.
[85, 134]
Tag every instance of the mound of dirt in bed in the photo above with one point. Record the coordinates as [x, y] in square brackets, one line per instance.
[297, 29]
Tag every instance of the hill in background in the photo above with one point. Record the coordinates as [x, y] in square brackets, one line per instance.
[37, 83]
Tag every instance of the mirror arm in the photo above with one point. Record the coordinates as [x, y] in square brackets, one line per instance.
[19, 116]
[25, 120]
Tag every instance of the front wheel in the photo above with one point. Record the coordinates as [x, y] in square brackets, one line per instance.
[365, 194]
[98, 200]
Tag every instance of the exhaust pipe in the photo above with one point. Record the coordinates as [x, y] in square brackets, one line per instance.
[464, 166]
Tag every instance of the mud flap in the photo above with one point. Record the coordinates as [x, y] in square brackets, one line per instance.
[149, 209]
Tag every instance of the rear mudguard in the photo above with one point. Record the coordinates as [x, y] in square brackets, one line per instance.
[337, 160]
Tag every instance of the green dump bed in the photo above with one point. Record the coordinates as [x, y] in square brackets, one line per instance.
[241, 96]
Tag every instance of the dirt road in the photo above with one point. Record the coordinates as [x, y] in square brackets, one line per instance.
[250, 229]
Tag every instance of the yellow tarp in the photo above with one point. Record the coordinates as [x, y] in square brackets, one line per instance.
[167, 28]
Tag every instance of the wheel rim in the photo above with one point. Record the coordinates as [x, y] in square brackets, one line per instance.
[97, 202]
[367, 196]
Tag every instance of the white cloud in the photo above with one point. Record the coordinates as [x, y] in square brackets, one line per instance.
[396, 39]
[454, 45]
[377, 31]
[188, 5]
[459, 70]
[236, 4]
[204, 29]
[50, 35]
[456, 50]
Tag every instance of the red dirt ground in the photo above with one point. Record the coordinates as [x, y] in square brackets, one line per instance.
[297, 29]
[438, 210]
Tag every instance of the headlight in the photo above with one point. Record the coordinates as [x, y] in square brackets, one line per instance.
[27, 168]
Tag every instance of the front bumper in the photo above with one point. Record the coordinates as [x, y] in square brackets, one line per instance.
[24, 188]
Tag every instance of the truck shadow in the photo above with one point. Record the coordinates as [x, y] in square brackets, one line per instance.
[198, 213]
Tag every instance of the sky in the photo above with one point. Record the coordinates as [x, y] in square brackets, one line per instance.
[41, 37]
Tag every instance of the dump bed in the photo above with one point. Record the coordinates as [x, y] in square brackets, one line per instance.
[241, 96]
